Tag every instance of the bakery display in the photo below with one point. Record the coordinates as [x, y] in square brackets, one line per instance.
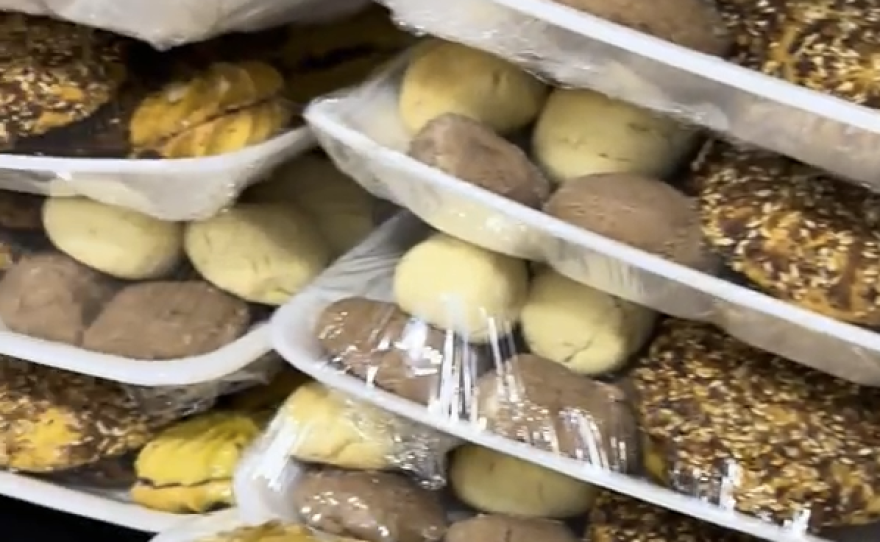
[370, 506]
[792, 230]
[188, 467]
[446, 77]
[490, 481]
[620, 137]
[460, 287]
[500, 528]
[809, 438]
[586, 330]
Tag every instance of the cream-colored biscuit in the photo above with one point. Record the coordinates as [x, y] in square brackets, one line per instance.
[326, 427]
[453, 78]
[117, 241]
[462, 288]
[581, 132]
[587, 330]
[262, 253]
[342, 211]
[493, 482]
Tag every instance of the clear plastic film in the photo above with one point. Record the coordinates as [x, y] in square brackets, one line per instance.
[795, 107]
[174, 134]
[459, 176]
[105, 290]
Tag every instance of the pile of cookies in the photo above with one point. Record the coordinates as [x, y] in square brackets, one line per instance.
[114, 281]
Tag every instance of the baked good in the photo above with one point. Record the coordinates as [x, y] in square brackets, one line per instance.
[53, 420]
[383, 345]
[322, 58]
[617, 518]
[694, 24]
[273, 531]
[493, 482]
[459, 287]
[498, 528]
[110, 473]
[636, 210]
[188, 467]
[50, 296]
[588, 331]
[539, 402]
[810, 439]
[620, 137]
[795, 232]
[55, 73]
[184, 117]
[167, 320]
[448, 77]
[473, 152]
[341, 210]
[115, 240]
[329, 428]
[259, 252]
[371, 506]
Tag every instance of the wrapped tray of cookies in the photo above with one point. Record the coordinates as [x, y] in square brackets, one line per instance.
[105, 290]
[522, 360]
[143, 458]
[612, 196]
[792, 76]
[176, 134]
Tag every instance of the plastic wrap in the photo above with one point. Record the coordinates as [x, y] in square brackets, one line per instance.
[106, 291]
[363, 132]
[590, 386]
[583, 51]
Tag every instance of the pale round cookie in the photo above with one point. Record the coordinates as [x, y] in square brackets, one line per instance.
[583, 328]
[462, 288]
[493, 482]
[453, 78]
[259, 252]
[117, 241]
[617, 138]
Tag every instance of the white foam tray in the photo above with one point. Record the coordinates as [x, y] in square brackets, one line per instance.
[184, 189]
[101, 505]
[292, 337]
[583, 51]
[361, 131]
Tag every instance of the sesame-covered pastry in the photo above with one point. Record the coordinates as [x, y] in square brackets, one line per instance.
[794, 231]
[776, 440]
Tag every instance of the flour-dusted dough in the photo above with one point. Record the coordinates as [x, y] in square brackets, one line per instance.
[493, 482]
[453, 78]
[117, 241]
[460, 287]
[587, 330]
[262, 253]
[581, 132]
[342, 211]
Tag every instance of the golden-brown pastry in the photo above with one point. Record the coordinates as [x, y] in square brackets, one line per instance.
[54, 73]
[53, 420]
[794, 231]
[499, 528]
[273, 532]
[188, 467]
[772, 438]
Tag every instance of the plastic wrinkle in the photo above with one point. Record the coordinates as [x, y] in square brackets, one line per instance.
[552, 41]
[173, 190]
[363, 134]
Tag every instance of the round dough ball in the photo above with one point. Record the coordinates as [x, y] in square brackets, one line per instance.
[462, 288]
[324, 430]
[493, 482]
[117, 241]
[499, 528]
[581, 132]
[453, 78]
[262, 253]
[343, 212]
[587, 330]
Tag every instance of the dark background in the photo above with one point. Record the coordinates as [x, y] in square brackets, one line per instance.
[25, 522]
